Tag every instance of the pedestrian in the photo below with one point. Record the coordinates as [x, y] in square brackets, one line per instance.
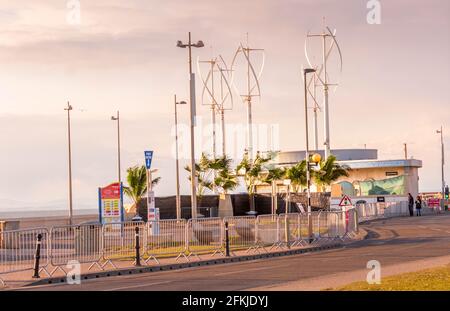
[419, 206]
[411, 204]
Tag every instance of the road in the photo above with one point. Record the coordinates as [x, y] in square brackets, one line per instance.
[393, 242]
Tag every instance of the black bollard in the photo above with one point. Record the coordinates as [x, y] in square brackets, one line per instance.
[37, 257]
[138, 247]
[227, 240]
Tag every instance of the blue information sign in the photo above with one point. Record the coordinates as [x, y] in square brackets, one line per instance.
[148, 159]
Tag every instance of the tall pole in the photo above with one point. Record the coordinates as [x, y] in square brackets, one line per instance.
[249, 107]
[308, 173]
[68, 109]
[178, 198]
[199, 44]
[192, 124]
[213, 110]
[316, 130]
[117, 118]
[441, 131]
[405, 147]
[325, 98]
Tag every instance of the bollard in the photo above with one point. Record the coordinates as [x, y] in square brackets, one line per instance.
[138, 255]
[37, 257]
[227, 240]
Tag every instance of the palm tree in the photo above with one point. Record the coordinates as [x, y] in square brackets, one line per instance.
[202, 173]
[297, 175]
[225, 178]
[137, 183]
[328, 172]
[251, 171]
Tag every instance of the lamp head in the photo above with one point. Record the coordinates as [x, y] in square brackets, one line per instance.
[181, 103]
[199, 44]
[308, 70]
[180, 44]
[316, 158]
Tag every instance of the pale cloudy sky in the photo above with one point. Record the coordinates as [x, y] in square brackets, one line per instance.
[393, 88]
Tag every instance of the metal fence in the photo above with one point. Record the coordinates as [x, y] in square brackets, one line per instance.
[242, 232]
[102, 244]
[204, 235]
[119, 239]
[165, 238]
[82, 243]
[18, 248]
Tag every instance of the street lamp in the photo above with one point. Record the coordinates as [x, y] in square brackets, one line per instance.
[287, 183]
[68, 109]
[308, 173]
[117, 118]
[189, 45]
[178, 198]
[441, 131]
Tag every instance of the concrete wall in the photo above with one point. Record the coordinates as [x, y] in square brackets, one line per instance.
[46, 222]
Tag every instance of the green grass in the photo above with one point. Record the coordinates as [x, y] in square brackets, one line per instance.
[436, 279]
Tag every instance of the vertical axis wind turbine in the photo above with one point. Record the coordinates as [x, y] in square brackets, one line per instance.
[253, 89]
[218, 106]
[322, 75]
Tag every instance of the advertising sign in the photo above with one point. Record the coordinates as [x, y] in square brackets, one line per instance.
[110, 203]
[433, 202]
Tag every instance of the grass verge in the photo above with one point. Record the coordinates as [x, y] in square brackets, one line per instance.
[435, 279]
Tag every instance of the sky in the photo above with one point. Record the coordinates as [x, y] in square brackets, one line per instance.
[393, 88]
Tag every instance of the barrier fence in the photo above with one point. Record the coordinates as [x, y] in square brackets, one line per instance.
[99, 245]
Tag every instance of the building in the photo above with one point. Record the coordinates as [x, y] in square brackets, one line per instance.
[369, 178]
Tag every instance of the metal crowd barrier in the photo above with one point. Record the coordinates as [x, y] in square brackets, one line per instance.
[119, 240]
[289, 230]
[242, 232]
[267, 227]
[18, 248]
[101, 244]
[165, 238]
[204, 235]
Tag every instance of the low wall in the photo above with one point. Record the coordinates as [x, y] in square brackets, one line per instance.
[46, 222]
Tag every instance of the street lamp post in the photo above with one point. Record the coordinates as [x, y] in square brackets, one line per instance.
[68, 109]
[178, 198]
[117, 118]
[308, 173]
[441, 131]
[189, 45]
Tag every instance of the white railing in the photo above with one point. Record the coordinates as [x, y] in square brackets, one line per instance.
[165, 238]
[204, 235]
[18, 249]
[102, 244]
[242, 232]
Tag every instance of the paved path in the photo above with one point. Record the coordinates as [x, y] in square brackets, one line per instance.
[399, 244]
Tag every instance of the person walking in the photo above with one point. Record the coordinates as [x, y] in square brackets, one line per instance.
[419, 206]
[411, 204]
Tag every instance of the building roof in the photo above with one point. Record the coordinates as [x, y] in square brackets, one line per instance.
[382, 163]
[354, 158]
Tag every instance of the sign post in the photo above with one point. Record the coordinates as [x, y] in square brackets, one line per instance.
[152, 211]
[346, 202]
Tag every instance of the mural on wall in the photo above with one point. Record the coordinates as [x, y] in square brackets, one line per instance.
[389, 186]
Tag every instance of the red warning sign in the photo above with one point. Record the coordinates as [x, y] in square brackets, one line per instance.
[345, 201]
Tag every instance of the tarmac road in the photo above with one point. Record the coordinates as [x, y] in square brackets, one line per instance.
[393, 242]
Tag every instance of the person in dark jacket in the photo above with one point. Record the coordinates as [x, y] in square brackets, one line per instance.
[419, 206]
[411, 204]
